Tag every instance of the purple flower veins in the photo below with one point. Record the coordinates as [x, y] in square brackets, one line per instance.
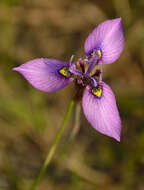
[103, 46]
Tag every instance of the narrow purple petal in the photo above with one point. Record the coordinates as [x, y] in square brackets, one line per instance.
[102, 113]
[108, 38]
[74, 70]
[44, 74]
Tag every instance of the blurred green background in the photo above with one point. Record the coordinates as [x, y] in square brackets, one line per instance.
[30, 119]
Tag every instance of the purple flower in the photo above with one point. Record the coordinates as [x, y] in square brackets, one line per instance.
[103, 46]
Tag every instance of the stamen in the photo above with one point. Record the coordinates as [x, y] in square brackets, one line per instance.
[97, 73]
[97, 91]
[81, 63]
[65, 72]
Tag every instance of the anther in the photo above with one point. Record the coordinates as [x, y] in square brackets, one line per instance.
[97, 73]
[81, 63]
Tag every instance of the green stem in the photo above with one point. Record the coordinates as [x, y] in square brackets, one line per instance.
[76, 119]
[53, 147]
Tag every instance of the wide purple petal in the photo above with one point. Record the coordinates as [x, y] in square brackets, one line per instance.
[108, 38]
[102, 113]
[44, 74]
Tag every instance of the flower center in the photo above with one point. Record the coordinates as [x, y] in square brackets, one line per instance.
[65, 72]
[97, 91]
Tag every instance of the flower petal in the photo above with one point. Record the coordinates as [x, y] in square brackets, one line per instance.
[44, 74]
[74, 70]
[102, 113]
[107, 38]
